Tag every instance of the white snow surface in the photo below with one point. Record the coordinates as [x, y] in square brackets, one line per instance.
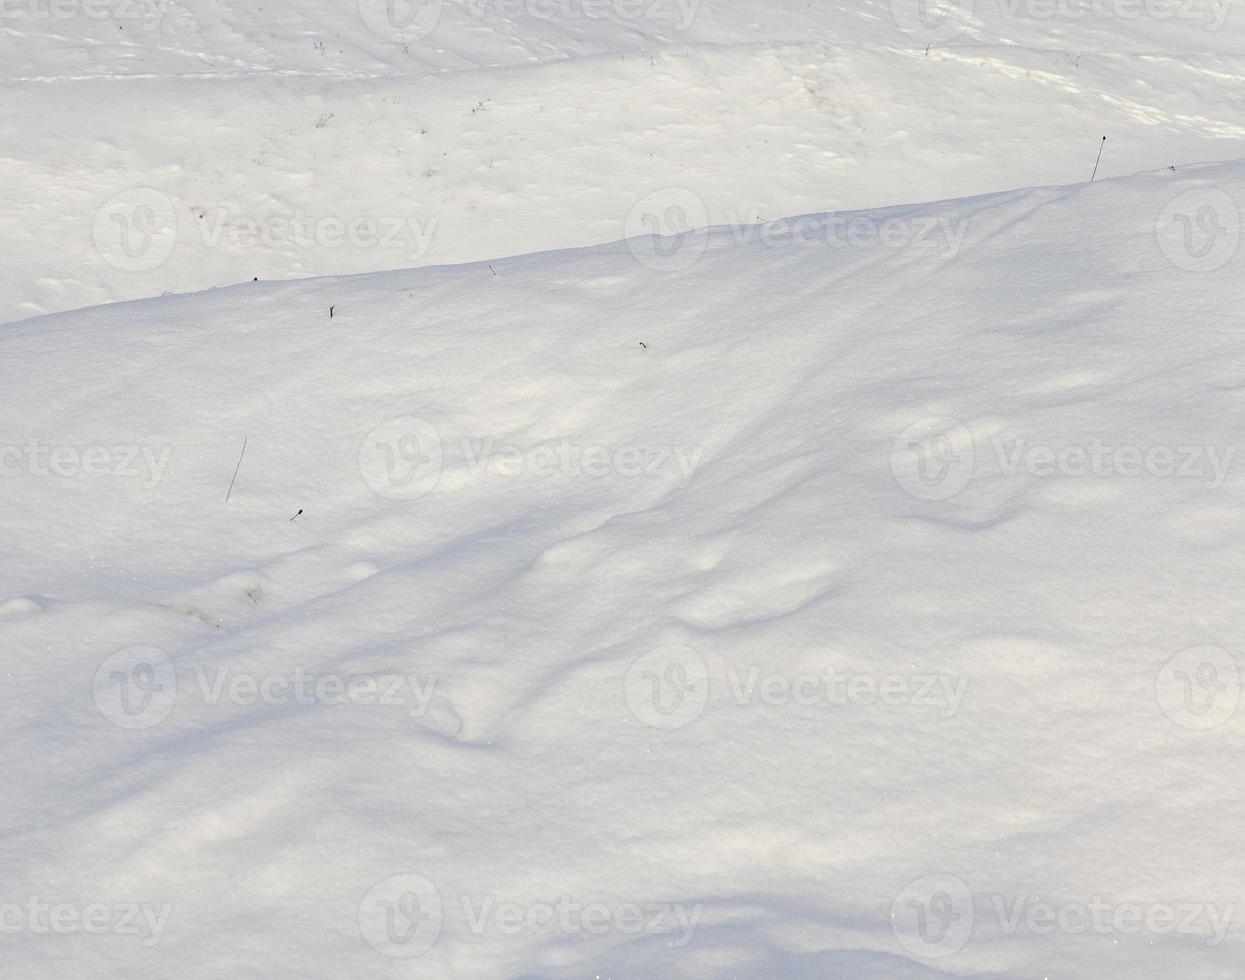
[497, 127]
[577, 489]
[847, 590]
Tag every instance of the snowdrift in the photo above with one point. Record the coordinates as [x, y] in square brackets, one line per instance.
[659, 608]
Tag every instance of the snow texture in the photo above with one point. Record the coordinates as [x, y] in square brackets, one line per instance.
[842, 588]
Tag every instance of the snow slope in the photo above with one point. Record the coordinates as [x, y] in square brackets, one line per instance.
[844, 597]
[167, 147]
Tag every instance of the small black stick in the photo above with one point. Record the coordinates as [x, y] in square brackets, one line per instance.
[492, 270]
[1101, 146]
[331, 308]
[297, 516]
[236, 468]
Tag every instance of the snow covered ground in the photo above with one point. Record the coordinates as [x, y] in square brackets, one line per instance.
[756, 580]
[272, 143]
[850, 593]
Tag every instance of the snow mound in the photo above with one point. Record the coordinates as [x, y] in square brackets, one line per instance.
[652, 609]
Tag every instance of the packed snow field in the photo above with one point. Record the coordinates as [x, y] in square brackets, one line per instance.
[799, 537]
